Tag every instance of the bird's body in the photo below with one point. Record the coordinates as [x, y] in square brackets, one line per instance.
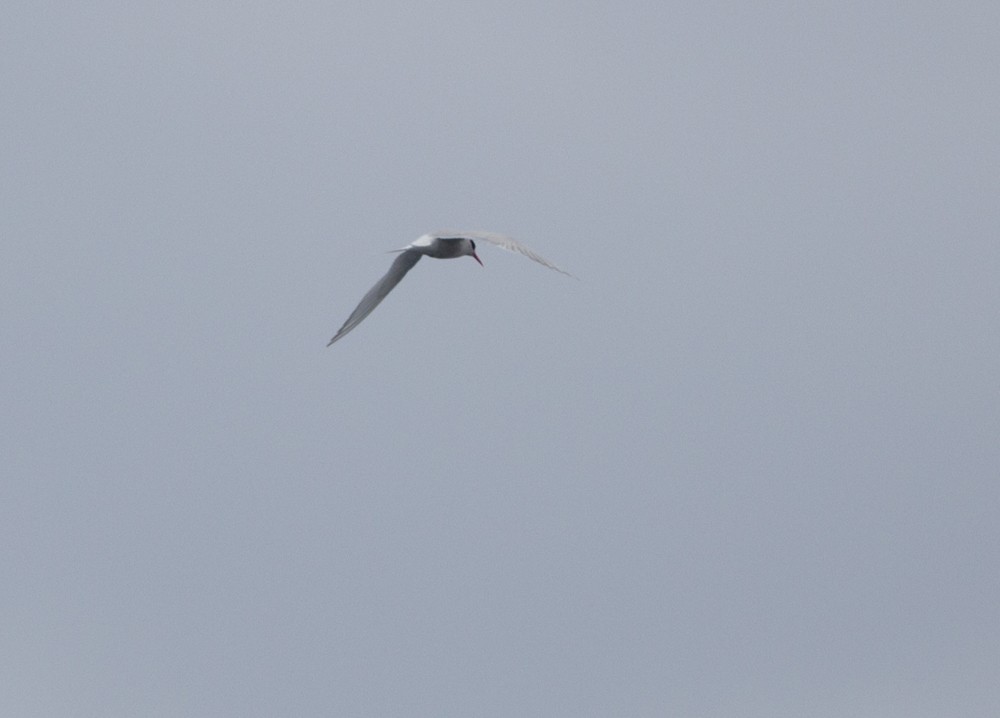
[440, 245]
[443, 247]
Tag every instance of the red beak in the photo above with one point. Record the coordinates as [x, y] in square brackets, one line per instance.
[476, 257]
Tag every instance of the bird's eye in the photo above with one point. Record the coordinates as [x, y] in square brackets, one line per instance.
[473, 243]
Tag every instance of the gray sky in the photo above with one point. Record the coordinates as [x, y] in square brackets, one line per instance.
[747, 465]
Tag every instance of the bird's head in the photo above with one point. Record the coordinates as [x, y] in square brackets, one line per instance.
[472, 252]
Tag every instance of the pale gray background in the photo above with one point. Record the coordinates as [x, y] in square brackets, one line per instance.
[746, 466]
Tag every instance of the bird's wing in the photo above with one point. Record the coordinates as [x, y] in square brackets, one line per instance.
[504, 242]
[402, 264]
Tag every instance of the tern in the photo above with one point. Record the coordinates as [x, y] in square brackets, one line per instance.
[440, 245]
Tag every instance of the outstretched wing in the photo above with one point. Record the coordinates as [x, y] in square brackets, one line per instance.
[402, 264]
[504, 242]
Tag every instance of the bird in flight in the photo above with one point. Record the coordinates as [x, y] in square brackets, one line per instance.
[440, 245]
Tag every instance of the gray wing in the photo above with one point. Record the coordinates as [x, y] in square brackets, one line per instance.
[403, 264]
[503, 242]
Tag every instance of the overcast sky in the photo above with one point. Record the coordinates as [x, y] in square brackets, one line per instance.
[747, 465]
